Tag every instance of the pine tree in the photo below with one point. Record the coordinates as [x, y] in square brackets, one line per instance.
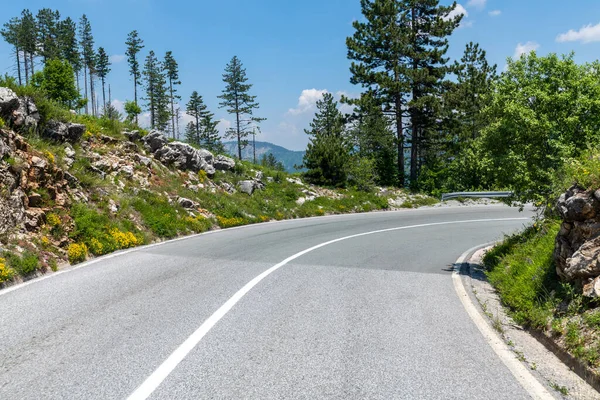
[156, 92]
[68, 47]
[238, 101]
[398, 51]
[10, 33]
[88, 54]
[28, 40]
[196, 109]
[328, 152]
[102, 69]
[209, 137]
[172, 72]
[191, 134]
[48, 33]
[134, 45]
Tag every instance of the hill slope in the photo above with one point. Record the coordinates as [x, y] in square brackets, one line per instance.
[289, 158]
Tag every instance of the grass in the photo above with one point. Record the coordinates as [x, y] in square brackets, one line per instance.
[522, 269]
[24, 264]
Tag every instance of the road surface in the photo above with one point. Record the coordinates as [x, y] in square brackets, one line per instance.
[371, 316]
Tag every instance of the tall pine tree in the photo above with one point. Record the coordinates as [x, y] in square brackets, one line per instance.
[102, 69]
[156, 92]
[68, 46]
[48, 34]
[172, 73]
[86, 41]
[134, 45]
[10, 32]
[238, 101]
[196, 109]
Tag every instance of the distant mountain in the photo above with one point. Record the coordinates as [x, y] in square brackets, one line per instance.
[289, 158]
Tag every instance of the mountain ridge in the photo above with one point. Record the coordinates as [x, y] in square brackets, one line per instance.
[288, 158]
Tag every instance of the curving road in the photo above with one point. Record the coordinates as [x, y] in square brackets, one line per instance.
[372, 316]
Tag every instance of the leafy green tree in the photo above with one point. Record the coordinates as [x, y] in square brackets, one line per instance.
[134, 45]
[544, 110]
[86, 41]
[328, 153]
[132, 110]
[397, 53]
[196, 109]
[102, 69]
[238, 101]
[48, 33]
[172, 72]
[10, 32]
[58, 82]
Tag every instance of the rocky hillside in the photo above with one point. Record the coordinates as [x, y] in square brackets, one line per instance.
[77, 187]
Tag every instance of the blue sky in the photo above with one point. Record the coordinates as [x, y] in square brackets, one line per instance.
[293, 51]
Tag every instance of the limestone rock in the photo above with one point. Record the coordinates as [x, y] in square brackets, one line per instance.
[592, 288]
[61, 132]
[26, 116]
[9, 101]
[223, 163]
[154, 140]
[247, 187]
[186, 203]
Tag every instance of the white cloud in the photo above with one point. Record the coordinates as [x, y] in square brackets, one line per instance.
[587, 34]
[224, 124]
[307, 101]
[525, 49]
[479, 4]
[116, 58]
[495, 13]
[458, 10]
[119, 105]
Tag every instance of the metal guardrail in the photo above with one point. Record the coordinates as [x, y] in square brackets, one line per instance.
[448, 196]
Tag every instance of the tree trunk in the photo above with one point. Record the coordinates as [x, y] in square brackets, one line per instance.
[400, 140]
[414, 149]
[85, 85]
[172, 108]
[31, 64]
[18, 64]
[197, 129]
[26, 68]
[103, 97]
[239, 134]
[92, 93]
[135, 97]
[254, 146]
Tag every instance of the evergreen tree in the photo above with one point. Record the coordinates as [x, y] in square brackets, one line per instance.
[132, 110]
[134, 45]
[48, 34]
[10, 32]
[398, 53]
[327, 155]
[102, 69]
[172, 72]
[209, 137]
[68, 46]
[238, 101]
[86, 41]
[28, 40]
[156, 92]
[191, 134]
[270, 161]
[196, 109]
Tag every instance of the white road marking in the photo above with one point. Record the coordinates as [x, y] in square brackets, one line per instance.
[535, 389]
[160, 374]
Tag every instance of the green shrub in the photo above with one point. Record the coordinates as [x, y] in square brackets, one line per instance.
[25, 264]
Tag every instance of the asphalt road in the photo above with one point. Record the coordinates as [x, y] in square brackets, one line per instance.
[369, 317]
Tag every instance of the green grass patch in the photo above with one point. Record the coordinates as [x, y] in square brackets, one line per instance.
[24, 264]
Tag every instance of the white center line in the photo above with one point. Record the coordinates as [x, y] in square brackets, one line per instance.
[160, 374]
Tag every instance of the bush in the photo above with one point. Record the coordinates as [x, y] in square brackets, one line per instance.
[6, 273]
[25, 264]
[77, 252]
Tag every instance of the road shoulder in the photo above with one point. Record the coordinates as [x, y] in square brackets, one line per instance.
[543, 364]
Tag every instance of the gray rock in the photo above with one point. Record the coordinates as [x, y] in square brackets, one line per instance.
[127, 170]
[133, 136]
[9, 101]
[228, 187]
[186, 203]
[185, 157]
[143, 160]
[112, 206]
[247, 187]
[259, 175]
[26, 116]
[34, 219]
[154, 140]
[592, 288]
[223, 163]
[61, 132]
[69, 151]
[38, 162]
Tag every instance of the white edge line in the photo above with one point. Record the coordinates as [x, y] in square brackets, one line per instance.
[535, 389]
[158, 376]
[148, 246]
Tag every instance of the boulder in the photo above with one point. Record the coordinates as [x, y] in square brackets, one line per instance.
[154, 140]
[592, 288]
[133, 136]
[69, 151]
[186, 203]
[247, 187]
[223, 163]
[145, 161]
[12, 208]
[127, 170]
[34, 219]
[26, 116]
[9, 102]
[185, 157]
[61, 132]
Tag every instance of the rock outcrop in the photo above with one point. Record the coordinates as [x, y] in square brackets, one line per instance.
[19, 112]
[577, 250]
[61, 132]
[183, 156]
